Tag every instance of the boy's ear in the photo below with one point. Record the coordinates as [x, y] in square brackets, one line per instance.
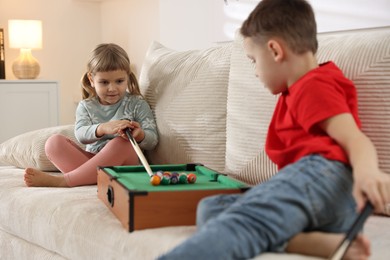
[276, 50]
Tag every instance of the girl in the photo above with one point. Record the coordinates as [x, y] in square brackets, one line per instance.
[111, 103]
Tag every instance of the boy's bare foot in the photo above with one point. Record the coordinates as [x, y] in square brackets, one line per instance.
[324, 245]
[359, 249]
[37, 178]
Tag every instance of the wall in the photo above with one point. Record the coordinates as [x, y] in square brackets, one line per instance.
[335, 15]
[133, 24]
[70, 30]
[200, 23]
[187, 24]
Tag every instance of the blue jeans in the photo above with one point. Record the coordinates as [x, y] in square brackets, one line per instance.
[311, 194]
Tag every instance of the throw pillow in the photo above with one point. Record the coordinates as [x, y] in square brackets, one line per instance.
[249, 110]
[364, 58]
[187, 93]
[28, 149]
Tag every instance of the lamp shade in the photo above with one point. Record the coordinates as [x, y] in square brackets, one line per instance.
[25, 34]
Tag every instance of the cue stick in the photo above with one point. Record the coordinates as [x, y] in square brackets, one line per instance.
[139, 152]
[352, 232]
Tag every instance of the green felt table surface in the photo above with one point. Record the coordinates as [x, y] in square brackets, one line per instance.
[135, 178]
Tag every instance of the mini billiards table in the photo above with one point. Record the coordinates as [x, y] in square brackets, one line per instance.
[128, 193]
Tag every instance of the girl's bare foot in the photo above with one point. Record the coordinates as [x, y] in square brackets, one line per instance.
[37, 178]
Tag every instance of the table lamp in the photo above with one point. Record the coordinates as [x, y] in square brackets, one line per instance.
[25, 35]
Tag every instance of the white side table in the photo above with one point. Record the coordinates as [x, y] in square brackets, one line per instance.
[27, 105]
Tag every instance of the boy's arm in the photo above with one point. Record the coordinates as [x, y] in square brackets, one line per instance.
[369, 181]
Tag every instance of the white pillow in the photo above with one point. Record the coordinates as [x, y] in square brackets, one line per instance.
[187, 93]
[249, 110]
[364, 58]
[28, 149]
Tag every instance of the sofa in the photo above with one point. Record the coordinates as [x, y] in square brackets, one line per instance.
[210, 109]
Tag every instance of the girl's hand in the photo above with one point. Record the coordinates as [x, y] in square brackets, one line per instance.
[112, 127]
[118, 126]
[136, 132]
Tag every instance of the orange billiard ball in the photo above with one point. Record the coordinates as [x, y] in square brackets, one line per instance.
[155, 180]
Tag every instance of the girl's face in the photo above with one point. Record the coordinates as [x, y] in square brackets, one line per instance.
[110, 86]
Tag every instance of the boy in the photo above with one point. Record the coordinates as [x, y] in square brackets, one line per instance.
[315, 139]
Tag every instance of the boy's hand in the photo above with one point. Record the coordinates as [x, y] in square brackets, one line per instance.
[374, 186]
[369, 181]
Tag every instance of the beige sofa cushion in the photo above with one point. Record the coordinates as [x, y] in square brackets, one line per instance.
[187, 93]
[364, 57]
[249, 110]
[28, 149]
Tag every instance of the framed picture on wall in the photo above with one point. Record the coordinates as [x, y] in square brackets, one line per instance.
[2, 54]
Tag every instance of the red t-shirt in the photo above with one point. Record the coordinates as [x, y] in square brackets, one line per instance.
[293, 132]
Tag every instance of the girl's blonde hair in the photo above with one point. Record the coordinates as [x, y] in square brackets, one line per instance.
[108, 57]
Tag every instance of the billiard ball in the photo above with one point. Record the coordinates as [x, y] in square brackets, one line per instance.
[191, 178]
[155, 180]
[174, 179]
[159, 173]
[165, 180]
[182, 178]
[167, 174]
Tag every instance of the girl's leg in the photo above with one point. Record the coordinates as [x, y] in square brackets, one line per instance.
[117, 151]
[79, 167]
[313, 193]
[65, 155]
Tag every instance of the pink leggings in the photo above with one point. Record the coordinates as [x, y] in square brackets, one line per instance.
[79, 166]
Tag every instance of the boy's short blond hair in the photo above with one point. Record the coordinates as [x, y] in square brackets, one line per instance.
[291, 20]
